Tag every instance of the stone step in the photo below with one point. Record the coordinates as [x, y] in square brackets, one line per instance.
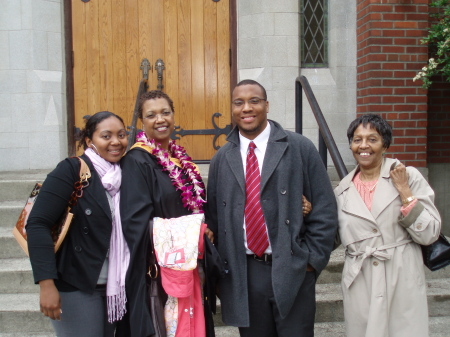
[19, 313]
[330, 308]
[330, 305]
[9, 213]
[9, 246]
[20, 316]
[16, 276]
[223, 331]
[17, 185]
[439, 327]
[19, 264]
[28, 334]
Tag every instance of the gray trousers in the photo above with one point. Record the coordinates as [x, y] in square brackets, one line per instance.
[84, 315]
[265, 320]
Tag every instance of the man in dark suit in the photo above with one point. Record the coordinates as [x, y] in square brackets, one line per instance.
[269, 289]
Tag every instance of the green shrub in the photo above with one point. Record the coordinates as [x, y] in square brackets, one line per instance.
[438, 41]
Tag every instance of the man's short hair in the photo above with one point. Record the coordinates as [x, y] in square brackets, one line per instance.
[252, 82]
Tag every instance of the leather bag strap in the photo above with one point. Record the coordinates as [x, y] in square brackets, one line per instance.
[85, 172]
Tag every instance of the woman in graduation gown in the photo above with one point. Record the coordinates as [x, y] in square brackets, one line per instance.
[159, 180]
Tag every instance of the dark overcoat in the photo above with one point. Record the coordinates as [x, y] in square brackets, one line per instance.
[147, 192]
[292, 167]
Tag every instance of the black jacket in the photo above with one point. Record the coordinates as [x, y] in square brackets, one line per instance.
[78, 263]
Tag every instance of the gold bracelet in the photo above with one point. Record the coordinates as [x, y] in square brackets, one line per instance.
[408, 200]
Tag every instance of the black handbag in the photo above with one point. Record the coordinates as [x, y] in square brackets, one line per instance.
[157, 297]
[437, 255]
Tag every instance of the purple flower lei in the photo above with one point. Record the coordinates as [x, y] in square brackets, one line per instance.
[192, 192]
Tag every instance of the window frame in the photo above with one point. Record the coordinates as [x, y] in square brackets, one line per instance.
[304, 48]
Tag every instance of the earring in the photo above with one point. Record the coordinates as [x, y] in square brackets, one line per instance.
[95, 149]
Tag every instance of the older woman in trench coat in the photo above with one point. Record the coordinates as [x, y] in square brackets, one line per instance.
[385, 211]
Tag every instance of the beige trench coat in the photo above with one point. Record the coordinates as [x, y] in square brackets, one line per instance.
[383, 280]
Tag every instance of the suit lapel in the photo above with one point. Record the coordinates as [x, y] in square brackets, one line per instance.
[234, 159]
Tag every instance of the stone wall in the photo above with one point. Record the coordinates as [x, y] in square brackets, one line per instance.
[32, 100]
[269, 52]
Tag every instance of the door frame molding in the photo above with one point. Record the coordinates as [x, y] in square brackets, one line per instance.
[68, 57]
[233, 46]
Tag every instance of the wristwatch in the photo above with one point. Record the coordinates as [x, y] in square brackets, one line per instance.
[408, 200]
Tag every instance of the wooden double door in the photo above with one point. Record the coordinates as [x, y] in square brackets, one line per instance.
[192, 38]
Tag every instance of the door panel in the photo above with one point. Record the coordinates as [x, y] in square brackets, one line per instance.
[112, 37]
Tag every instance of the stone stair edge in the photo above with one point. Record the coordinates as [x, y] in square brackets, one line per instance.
[436, 288]
[19, 175]
[15, 264]
[28, 334]
[439, 327]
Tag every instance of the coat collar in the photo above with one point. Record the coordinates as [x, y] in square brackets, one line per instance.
[276, 146]
[386, 167]
[385, 193]
[277, 133]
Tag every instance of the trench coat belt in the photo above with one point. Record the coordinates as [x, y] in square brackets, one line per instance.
[359, 257]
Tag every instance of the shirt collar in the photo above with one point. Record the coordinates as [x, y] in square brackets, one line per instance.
[260, 140]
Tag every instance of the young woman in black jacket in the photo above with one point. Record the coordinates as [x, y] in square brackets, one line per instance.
[82, 286]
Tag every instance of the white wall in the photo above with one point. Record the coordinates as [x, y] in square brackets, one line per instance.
[269, 52]
[32, 85]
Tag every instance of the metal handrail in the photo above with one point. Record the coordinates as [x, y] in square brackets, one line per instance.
[132, 133]
[326, 140]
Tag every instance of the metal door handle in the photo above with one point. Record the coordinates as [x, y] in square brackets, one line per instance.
[159, 66]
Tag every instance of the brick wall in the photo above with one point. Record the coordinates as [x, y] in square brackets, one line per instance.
[389, 54]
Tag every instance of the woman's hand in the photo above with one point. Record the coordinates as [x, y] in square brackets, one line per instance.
[209, 234]
[399, 178]
[307, 207]
[50, 301]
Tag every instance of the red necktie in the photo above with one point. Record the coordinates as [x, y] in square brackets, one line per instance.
[257, 239]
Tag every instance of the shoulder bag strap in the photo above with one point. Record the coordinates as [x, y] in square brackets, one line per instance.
[85, 174]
